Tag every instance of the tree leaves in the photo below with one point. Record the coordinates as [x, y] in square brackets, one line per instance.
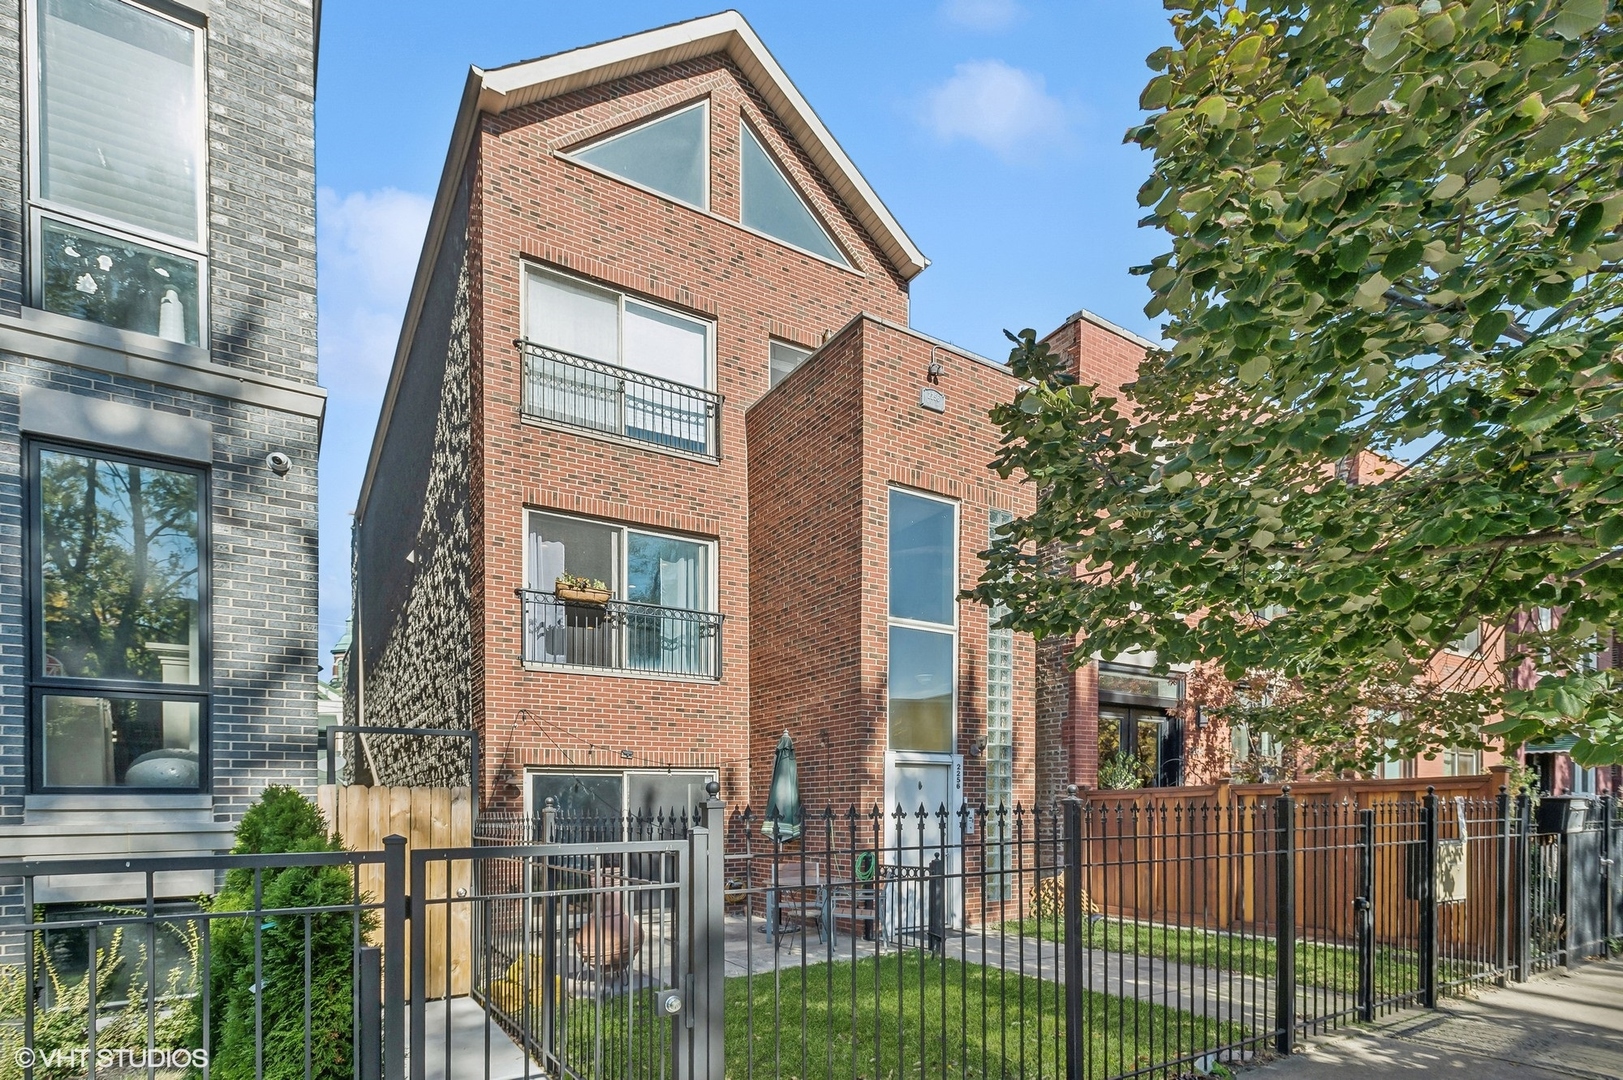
[1390, 235]
[1575, 18]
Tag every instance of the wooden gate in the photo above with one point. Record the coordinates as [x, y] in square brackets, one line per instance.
[428, 817]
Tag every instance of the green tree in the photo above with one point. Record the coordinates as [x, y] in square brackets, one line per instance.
[268, 1012]
[1394, 231]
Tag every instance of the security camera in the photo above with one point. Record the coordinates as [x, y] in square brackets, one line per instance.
[279, 462]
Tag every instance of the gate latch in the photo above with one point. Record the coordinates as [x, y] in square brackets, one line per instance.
[670, 1002]
[1360, 903]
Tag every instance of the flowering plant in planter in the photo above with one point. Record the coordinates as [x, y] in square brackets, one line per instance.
[579, 589]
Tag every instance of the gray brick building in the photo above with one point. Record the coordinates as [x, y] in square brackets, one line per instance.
[159, 422]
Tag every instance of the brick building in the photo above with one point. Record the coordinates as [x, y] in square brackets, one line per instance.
[159, 423]
[1126, 704]
[658, 342]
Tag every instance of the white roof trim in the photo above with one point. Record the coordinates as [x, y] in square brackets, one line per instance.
[1105, 324]
[501, 89]
[728, 32]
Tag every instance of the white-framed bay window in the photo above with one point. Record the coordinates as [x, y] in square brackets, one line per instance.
[599, 359]
[659, 615]
[923, 622]
[117, 168]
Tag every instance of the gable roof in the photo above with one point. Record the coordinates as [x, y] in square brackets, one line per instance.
[728, 32]
[495, 91]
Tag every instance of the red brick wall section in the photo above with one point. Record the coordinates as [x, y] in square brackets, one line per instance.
[538, 206]
[806, 604]
[909, 446]
[826, 447]
[1068, 713]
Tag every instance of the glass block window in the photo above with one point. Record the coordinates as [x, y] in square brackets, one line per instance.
[999, 738]
[670, 155]
[774, 207]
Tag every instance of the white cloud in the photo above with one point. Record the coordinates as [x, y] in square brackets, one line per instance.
[367, 248]
[981, 14]
[1003, 108]
[368, 244]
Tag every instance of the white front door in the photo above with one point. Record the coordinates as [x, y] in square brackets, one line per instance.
[910, 840]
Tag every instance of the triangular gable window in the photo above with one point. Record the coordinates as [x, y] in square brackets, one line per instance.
[669, 155]
[773, 206]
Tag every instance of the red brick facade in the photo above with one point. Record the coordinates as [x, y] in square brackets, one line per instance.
[794, 502]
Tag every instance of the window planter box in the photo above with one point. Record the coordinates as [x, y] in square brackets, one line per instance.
[574, 594]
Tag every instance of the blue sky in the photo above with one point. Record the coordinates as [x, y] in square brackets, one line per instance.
[991, 128]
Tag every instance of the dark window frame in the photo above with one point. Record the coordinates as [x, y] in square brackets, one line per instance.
[40, 684]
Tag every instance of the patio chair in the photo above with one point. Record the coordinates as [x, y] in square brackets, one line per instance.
[804, 896]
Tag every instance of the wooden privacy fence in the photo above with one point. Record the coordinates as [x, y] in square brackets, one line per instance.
[1206, 856]
[428, 817]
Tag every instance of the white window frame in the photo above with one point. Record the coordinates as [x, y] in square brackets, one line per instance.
[571, 155]
[39, 207]
[786, 344]
[1468, 643]
[1452, 757]
[531, 810]
[530, 266]
[622, 550]
[744, 126]
[951, 631]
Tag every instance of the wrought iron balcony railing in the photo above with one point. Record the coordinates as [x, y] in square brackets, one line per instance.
[590, 394]
[621, 636]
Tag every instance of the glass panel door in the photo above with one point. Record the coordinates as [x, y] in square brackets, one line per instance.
[666, 573]
[562, 633]
[582, 321]
[674, 348]
[1147, 745]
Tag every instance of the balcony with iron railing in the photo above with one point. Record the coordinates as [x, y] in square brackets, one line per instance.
[620, 635]
[562, 388]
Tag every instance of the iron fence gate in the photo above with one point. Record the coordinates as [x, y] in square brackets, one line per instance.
[1108, 937]
[592, 959]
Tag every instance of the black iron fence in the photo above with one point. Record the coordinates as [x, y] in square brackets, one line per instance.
[1107, 936]
[602, 397]
[271, 977]
[618, 635]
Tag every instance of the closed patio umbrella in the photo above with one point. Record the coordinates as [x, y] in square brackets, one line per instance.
[783, 813]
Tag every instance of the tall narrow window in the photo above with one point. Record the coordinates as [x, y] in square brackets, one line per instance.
[670, 155]
[773, 206]
[999, 735]
[118, 660]
[117, 167]
[923, 607]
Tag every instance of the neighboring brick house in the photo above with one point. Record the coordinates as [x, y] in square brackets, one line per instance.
[1127, 704]
[159, 423]
[658, 339]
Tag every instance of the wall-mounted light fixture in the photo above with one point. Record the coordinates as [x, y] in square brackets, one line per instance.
[936, 369]
[978, 747]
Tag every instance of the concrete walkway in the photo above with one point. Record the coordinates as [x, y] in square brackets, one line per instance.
[1558, 1025]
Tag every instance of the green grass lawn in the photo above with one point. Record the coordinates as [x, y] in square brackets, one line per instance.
[895, 1017]
[1333, 967]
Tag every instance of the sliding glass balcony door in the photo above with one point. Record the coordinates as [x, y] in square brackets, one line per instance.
[598, 360]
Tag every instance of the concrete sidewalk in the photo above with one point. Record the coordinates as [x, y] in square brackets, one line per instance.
[1558, 1025]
